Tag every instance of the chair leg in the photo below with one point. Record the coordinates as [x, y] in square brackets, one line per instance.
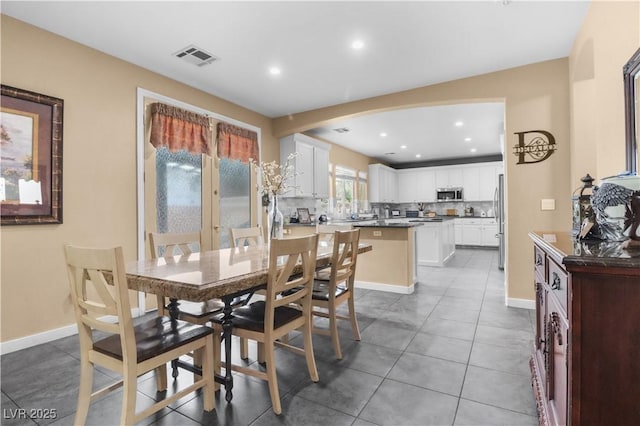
[197, 362]
[333, 327]
[84, 392]
[244, 348]
[354, 320]
[129, 390]
[261, 359]
[308, 351]
[161, 378]
[207, 371]
[272, 377]
[217, 350]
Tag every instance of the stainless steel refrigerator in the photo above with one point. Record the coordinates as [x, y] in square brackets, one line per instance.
[498, 208]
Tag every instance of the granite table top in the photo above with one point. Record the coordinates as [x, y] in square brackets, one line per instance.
[211, 274]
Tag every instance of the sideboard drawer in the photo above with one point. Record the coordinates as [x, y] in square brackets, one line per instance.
[540, 262]
[557, 281]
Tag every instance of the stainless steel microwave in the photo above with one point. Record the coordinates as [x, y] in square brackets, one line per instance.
[449, 194]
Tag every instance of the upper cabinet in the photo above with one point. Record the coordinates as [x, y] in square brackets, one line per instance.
[416, 185]
[311, 165]
[383, 184]
[478, 182]
[449, 177]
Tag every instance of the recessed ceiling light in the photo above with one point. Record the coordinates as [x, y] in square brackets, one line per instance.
[357, 44]
[418, 155]
[458, 124]
[403, 147]
[473, 150]
[275, 71]
[467, 139]
[383, 135]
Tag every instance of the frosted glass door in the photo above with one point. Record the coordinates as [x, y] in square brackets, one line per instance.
[178, 191]
[235, 198]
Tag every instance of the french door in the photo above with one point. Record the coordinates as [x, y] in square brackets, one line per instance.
[187, 192]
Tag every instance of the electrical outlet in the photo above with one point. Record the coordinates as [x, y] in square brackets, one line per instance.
[547, 204]
[377, 233]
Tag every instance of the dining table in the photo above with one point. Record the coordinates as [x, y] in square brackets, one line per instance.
[227, 274]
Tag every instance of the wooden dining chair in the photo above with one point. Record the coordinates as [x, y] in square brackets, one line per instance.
[172, 244]
[251, 236]
[282, 311]
[338, 288]
[130, 350]
[326, 233]
[182, 243]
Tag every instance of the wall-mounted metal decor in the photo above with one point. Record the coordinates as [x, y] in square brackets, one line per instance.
[631, 75]
[534, 146]
[31, 161]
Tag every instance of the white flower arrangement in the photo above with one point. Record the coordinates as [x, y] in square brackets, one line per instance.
[276, 178]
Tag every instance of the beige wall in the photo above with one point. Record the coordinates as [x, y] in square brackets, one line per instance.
[607, 39]
[99, 117]
[99, 166]
[536, 97]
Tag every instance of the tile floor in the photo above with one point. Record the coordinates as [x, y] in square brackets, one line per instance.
[449, 354]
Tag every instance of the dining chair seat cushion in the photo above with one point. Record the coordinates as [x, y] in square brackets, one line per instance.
[251, 317]
[154, 337]
[321, 290]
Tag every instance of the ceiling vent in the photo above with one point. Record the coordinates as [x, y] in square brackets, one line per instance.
[342, 130]
[196, 56]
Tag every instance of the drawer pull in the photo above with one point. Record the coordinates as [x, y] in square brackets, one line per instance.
[555, 326]
[555, 285]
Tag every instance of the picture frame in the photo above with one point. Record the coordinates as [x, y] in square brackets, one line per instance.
[303, 215]
[31, 162]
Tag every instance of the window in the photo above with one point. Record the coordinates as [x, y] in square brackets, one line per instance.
[363, 199]
[345, 190]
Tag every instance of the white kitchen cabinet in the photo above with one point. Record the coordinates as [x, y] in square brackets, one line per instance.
[449, 177]
[476, 232]
[471, 183]
[383, 184]
[458, 231]
[488, 182]
[416, 185]
[311, 166]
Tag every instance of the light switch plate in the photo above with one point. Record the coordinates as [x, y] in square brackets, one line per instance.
[547, 204]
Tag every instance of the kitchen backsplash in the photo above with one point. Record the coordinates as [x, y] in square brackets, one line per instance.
[333, 210]
[480, 208]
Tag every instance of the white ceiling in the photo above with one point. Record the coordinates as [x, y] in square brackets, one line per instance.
[406, 45]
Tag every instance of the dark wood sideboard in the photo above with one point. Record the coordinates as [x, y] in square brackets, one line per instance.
[586, 360]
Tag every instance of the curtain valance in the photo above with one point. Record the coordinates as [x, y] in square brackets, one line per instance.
[179, 129]
[237, 143]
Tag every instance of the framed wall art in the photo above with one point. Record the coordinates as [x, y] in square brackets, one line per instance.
[31, 158]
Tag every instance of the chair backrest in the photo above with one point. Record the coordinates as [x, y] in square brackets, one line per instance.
[345, 255]
[326, 232]
[91, 271]
[166, 244]
[246, 236]
[285, 257]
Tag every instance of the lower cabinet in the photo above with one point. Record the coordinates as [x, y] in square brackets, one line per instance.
[586, 357]
[476, 232]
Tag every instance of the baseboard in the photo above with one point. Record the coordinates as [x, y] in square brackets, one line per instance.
[521, 303]
[46, 336]
[385, 287]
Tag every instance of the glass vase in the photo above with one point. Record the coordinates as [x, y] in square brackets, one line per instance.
[275, 219]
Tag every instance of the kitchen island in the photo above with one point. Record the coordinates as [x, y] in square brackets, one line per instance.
[392, 264]
[436, 241]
